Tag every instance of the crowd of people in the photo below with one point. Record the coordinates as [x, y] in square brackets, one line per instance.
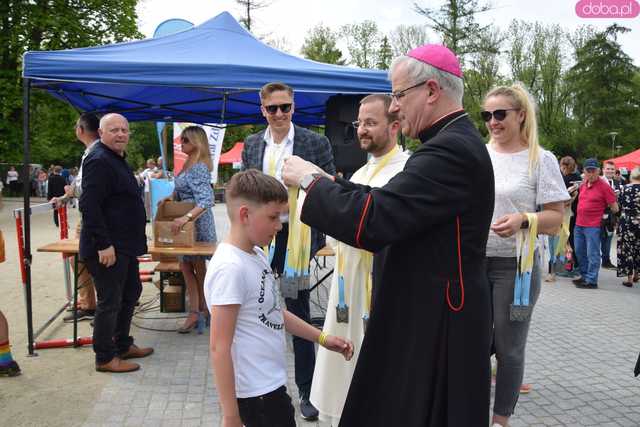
[438, 261]
[603, 205]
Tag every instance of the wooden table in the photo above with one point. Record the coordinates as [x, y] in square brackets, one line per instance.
[71, 247]
[200, 248]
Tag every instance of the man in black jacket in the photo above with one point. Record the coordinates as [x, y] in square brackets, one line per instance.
[55, 188]
[113, 235]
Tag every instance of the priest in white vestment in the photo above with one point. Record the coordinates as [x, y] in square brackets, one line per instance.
[350, 296]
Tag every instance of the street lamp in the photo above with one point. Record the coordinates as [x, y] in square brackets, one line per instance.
[613, 141]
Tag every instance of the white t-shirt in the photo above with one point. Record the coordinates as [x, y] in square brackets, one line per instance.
[258, 350]
[516, 191]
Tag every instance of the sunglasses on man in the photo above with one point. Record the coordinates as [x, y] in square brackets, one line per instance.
[273, 109]
[499, 115]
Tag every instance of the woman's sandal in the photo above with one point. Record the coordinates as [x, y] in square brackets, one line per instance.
[189, 326]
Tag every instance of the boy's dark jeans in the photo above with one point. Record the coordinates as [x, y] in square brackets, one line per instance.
[273, 409]
[118, 288]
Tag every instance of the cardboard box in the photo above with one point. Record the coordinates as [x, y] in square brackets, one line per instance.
[167, 212]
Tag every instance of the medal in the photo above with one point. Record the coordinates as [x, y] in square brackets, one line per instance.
[289, 287]
[342, 310]
[342, 314]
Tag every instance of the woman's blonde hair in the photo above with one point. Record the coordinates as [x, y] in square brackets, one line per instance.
[198, 137]
[522, 100]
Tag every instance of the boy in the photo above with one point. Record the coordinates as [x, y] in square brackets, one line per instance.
[248, 322]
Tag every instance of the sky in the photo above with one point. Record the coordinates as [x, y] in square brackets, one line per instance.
[292, 19]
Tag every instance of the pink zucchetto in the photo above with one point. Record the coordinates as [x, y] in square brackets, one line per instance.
[437, 56]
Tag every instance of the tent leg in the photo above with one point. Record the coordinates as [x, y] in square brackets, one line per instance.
[26, 92]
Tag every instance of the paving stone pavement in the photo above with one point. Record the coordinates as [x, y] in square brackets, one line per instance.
[582, 348]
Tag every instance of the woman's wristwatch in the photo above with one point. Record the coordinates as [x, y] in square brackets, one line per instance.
[189, 215]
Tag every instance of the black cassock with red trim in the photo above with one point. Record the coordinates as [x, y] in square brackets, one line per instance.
[425, 356]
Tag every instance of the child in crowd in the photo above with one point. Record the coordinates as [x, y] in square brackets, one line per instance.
[248, 322]
[8, 366]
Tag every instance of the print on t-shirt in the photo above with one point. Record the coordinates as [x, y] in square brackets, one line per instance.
[269, 309]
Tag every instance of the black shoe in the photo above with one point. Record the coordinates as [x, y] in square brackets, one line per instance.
[80, 315]
[627, 284]
[307, 410]
[10, 370]
[578, 281]
[608, 265]
[587, 285]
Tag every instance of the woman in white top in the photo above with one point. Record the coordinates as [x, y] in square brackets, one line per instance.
[527, 181]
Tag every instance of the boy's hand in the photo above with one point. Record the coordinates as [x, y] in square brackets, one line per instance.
[231, 421]
[339, 345]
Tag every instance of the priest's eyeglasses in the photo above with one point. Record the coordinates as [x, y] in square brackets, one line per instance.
[399, 94]
[499, 115]
[365, 125]
[273, 109]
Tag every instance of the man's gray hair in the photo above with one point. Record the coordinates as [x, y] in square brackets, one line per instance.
[418, 71]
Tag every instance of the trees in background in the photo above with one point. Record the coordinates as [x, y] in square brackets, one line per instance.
[584, 84]
[322, 45]
[47, 25]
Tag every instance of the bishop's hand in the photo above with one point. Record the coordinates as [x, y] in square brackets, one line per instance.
[295, 168]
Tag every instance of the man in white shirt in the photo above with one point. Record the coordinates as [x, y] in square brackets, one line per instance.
[350, 296]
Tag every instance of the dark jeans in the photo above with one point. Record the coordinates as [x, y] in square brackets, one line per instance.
[572, 225]
[605, 246]
[118, 288]
[510, 337]
[304, 351]
[269, 410]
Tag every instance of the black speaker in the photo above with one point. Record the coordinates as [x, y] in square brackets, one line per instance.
[341, 111]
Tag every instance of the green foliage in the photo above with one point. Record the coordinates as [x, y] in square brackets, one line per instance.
[455, 21]
[385, 55]
[537, 55]
[51, 25]
[482, 74]
[321, 45]
[362, 40]
[605, 95]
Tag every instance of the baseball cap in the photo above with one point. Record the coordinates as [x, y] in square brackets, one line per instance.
[590, 164]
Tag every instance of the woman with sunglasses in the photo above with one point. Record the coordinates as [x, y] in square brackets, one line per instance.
[529, 192]
[193, 184]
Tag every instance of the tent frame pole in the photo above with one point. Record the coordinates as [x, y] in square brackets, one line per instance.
[26, 187]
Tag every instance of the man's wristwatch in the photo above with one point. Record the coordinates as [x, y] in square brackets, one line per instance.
[308, 179]
[189, 215]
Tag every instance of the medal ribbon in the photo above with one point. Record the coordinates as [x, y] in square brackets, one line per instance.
[564, 235]
[525, 249]
[366, 257]
[296, 264]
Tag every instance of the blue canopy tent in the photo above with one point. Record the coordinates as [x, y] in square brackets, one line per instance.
[207, 74]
